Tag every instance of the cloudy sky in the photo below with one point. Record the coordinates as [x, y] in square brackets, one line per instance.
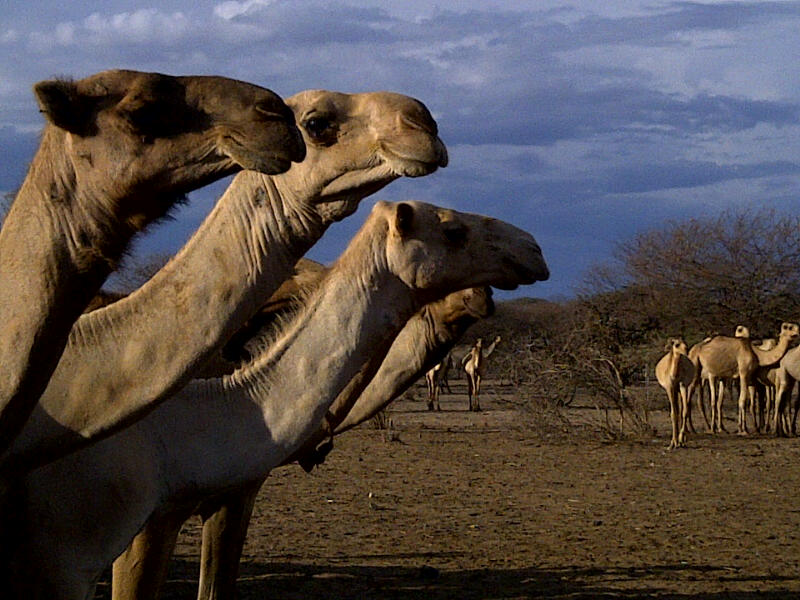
[582, 122]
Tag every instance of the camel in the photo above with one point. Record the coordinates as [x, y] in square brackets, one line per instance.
[118, 150]
[217, 434]
[723, 356]
[249, 243]
[715, 424]
[675, 373]
[436, 380]
[431, 332]
[474, 364]
[766, 383]
[783, 379]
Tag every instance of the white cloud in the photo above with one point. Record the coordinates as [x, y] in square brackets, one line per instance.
[9, 36]
[231, 9]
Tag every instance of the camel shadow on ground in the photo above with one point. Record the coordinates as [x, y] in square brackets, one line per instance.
[303, 581]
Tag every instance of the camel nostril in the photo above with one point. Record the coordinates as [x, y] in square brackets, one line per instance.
[424, 123]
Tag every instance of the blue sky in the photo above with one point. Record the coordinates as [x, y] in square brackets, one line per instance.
[582, 122]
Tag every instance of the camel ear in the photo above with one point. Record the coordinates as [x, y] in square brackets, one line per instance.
[404, 219]
[62, 105]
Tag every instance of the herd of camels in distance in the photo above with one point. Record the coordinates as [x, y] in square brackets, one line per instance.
[121, 417]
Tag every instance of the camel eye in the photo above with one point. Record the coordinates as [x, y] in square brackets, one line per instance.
[318, 128]
[456, 234]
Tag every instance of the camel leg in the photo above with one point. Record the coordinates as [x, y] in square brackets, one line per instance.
[686, 415]
[782, 395]
[470, 389]
[224, 534]
[686, 409]
[770, 409]
[477, 393]
[140, 571]
[720, 400]
[742, 407]
[673, 417]
[692, 387]
[712, 401]
[756, 409]
[430, 381]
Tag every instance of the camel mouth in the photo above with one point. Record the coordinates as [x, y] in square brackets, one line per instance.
[274, 160]
[358, 184]
[417, 162]
[481, 304]
[525, 274]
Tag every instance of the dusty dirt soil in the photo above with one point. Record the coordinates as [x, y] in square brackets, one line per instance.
[482, 505]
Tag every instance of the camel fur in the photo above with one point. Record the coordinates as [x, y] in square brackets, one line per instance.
[118, 150]
[249, 243]
[216, 434]
[474, 365]
[722, 356]
[431, 332]
[675, 373]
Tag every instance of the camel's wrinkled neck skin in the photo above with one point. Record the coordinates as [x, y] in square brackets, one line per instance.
[217, 434]
[247, 221]
[238, 258]
[108, 165]
[108, 347]
[235, 429]
[49, 259]
[423, 342]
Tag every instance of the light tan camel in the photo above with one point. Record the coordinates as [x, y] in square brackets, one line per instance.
[139, 571]
[675, 373]
[784, 379]
[716, 424]
[436, 379]
[247, 246]
[119, 148]
[474, 364]
[766, 382]
[723, 356]
[217, 434]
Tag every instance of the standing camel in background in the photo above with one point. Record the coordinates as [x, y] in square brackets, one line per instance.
[675, 373]
[245, 248]
[474, 364]
[118, 150]
[217, 434]
[785, 377]
[715, 424]
[436, 380]
[723, 356]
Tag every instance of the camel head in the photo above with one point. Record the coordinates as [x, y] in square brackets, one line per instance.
[441, 249]
[154, 137]
[358, 143]
[790, 331]
[677, 346]
[475, 302]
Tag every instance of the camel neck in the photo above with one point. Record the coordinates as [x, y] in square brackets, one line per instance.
[772, 356]
[421, 345]
[242, 252]
[275, 403]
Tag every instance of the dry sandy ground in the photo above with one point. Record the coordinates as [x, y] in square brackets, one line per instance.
[470, 506]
